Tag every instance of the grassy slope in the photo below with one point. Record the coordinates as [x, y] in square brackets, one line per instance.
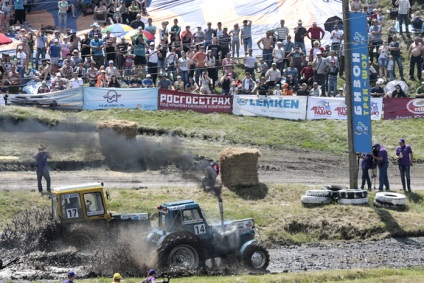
[228, 129]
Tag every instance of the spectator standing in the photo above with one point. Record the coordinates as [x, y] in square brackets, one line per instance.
[366, 164]
[121, 51]
[187, 38]
[288, 47]
[152, 61]
[41, 43]
[332, 78]
[235, 40]
[20, 13]
[71, 277]
[198, 37]
[395, 48]
[150, 28]
[320, 69]
[356, 6]
[292, 75]
[383, 164]
[246, 35]
[137, 23]
[224, 42]
[296, 57]
[404, 157]
[175, 31]
[383, 59]
[209, 34]
[183, 65]
[54, 53]
[278, 54]
[282, 31]
[336, 36]
[375, 30]
[63, 7]
[97, 46]
[299, 36]
[391, 68]
[41, 160]
[267, 47]
[403, 15]
[250, 63]
[315, 33]
[199, 58]
[171, 60]
[85, 46]
[415, 56]
[6, 7]
[110, 51]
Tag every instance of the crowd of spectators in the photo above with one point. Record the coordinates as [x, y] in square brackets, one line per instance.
[201, 60]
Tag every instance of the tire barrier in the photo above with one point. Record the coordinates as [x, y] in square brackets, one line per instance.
[399, 207]
[352, 194]
[390, 198]
[319, 193]
[328, 194]
[315, 200]
[353, 201]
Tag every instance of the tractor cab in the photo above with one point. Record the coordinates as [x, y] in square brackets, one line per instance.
[183, 215]
[85, 202]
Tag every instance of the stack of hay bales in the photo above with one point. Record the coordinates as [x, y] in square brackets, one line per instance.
[239, 167]
[117, 140]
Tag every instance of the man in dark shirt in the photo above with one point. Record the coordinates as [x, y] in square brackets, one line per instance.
[377, 91]
[299, 36]
[137, 23]
[121, 50]
[383, 164]
[303, 91]
[42, 167]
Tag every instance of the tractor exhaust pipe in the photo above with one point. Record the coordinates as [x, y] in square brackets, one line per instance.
[221, 213]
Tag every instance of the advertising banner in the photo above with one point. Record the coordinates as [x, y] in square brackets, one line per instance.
[335, 108]
[107, 98]
[285, 107]
[360, 98]
[403, 108]
[175, 100]
[64, 99]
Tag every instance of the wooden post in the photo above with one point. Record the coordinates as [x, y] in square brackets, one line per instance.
[353, 169]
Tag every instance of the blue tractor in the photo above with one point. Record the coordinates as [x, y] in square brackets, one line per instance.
[185, 240]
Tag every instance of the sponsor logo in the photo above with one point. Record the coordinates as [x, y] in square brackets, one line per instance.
[416, 106]
[358, 38]
[322, 108]
[374, 109]
[361, 129]
[112, 96]
[241, 101]
[194, 100]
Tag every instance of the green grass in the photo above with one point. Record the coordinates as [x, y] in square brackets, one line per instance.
[226, 129]
[276, 204]
[380, 275]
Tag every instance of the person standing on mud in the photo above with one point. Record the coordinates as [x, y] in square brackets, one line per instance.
[71, 277]
[383, 164]
[404, 157]
[42, 167]
[367, 161]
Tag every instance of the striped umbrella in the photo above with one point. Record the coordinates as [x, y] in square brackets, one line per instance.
[129, 35]
[117, 29]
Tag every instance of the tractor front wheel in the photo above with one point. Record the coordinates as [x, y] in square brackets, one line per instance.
[255, 257]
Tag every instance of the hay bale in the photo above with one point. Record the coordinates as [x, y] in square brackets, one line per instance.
[118, 127]
[239, 167]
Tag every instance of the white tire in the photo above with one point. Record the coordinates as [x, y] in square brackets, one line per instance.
[400, 207]
[319, 193]
[353, 201]
[352, 194]
[393, 198]
[315, 200]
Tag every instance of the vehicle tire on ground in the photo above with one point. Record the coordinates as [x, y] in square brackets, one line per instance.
[399, 207]
[353, 201]
[319, 193]
[315, 200]
[255, 257]
[393, 198]
[180, 251]
[352, 194]
[334, 189]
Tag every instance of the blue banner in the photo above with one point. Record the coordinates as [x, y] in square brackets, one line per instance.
[107, 98]
[361, 116]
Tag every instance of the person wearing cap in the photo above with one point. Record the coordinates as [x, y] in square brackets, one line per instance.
[316, 47]
[377, 91]
[299, 36]
[41, 161]
[116, 278]
[246, 35]
[76, 81]
[273, 75]
[199, 59]
[332, 73]
[247, 84]
[315, 33]
[165, 83]
[383, 164]
[152, 273]
[340, 93]
[278, 55]
[404, 157]
[75, 58]
[266, 44]
[315, 90]
[67, 70]
[292, 75]
[277, 90]
[71, 277]
[179, 85]
[111, 69]
[74, 40]
[147, 82]
[296, 57]
[152, 56]
[336, 37]
[20, 63]
[54, 53]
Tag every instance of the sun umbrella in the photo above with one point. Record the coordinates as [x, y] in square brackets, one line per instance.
[117, 29]
[329, 23]
[4, 39]
[390, 86]
[135, 32]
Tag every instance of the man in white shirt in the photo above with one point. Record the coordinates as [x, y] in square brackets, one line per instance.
[336, 38]
[279, 54]
[273, 75]
[250, 63]
[20, 64]
[75, 82]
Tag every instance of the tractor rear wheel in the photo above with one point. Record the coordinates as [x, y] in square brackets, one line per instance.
[255, 257]
[180, 251]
